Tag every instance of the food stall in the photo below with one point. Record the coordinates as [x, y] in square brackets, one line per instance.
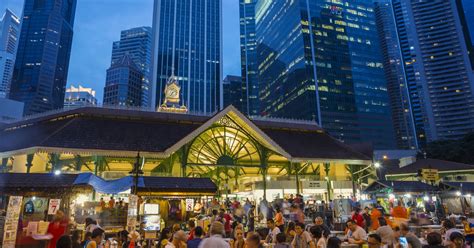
[419, 198]
[457, 197]
[30, 201]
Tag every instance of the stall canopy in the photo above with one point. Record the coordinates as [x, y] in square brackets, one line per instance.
[383, 186]
[47, 182]
[146, 185]
[464, 187]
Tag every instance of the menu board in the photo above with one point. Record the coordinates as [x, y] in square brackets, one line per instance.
[132, 212]
[11, 221]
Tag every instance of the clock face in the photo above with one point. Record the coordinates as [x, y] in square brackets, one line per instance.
[172, 93]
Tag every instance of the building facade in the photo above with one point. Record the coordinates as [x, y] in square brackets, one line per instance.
[437, 68]
[42, 61]
[187, 43]
[79, 97]
[123, 86]
[9, 33]
[137, 42]
[248, 54]
[466, 16]
[232, 91]
[395, 75]
[321, 60]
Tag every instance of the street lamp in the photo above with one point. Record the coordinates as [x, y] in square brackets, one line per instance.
[377, 165]
[57, 172]
[136, 172]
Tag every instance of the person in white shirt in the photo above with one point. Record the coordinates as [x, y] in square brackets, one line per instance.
[216, 239]
[319, 239]
[356, 234]
[273, 232]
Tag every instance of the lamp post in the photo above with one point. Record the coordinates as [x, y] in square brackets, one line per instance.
[136, 172]
[377, 167]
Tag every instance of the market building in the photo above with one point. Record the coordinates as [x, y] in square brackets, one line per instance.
[240, 155]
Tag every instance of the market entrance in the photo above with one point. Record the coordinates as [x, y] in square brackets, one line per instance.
[227, 153]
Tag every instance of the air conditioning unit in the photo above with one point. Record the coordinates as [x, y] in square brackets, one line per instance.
[460, 178]
[447, 178]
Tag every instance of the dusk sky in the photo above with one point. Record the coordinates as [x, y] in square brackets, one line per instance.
[98, 23]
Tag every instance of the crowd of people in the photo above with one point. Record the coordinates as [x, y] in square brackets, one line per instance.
[236, 225]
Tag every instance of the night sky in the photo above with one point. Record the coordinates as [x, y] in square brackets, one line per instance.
[98, 23]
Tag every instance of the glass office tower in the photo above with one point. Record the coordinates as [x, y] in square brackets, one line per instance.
[187, 43]
[395, 75]
[321, 60]
[248, 54]
[9, 32]
[44, 49]
[136, 42]
[438, 68]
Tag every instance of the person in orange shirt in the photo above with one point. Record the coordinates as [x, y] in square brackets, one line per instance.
[279, 221]
[399, 211]
[374, 216]
[111, 202]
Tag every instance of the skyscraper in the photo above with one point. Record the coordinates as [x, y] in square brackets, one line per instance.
[248, 54]
[466, 16]
[187, 43]
[395, 75]
[79, 97]
[232, 92]
[42, 61]
[9, 32]
[123, 86]
[321, 60]
[137, 43]
[437, 68]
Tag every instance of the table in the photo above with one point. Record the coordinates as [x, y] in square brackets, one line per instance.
[347, 245]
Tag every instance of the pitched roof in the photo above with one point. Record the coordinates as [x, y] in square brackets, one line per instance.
[124, 61]
[400, 187]
[92, 129]
[441, 165]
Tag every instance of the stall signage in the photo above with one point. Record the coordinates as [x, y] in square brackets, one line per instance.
[314, 185]
[430, 174]
[53, 206]
[189, 204]
[11, 221]
[132, 212]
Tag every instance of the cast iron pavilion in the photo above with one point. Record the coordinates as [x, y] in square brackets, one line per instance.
[227, 147]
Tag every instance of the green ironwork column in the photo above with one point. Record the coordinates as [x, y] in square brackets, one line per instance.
[184, 160]
[327, 168]
[296, 167]
[351, 170]
[264, 164]
[29, 162]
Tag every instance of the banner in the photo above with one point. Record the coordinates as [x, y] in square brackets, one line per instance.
[11, 221]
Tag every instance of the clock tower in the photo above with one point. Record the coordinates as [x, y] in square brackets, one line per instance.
[172, 97]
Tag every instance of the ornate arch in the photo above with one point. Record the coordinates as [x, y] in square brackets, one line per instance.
[224, 144]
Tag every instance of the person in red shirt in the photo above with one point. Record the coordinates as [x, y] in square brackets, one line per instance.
[192, 229]
[227, 218]
[358, 218]
[57, 228]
